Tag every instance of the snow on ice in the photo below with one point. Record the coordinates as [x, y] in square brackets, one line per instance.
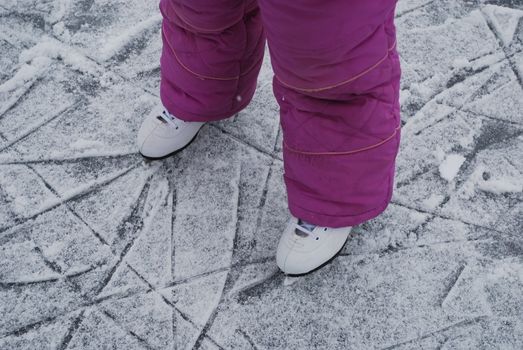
[101, 249]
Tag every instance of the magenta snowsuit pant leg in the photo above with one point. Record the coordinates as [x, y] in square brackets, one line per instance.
[212, 54]
[336, 82]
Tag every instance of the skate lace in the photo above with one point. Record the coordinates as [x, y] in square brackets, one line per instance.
[170, 119]
[304, 230]
[306, 225]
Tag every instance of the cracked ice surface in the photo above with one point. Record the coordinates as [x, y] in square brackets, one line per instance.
[100, 249]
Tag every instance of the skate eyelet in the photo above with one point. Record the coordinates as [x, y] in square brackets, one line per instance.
[317, 238]
[325, 229]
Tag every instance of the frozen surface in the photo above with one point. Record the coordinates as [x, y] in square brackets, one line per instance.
[100, 249]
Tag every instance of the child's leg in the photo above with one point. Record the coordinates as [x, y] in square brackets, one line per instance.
[212, 53]
[337, 83]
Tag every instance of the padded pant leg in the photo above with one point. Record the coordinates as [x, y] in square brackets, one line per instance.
[212, 54]
[336, 81]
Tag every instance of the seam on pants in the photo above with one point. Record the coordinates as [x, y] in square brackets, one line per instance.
[204, 30]
[240, 60]
[201, 76]
[340, 215]
[213, 30]
[357, 76]
[343, 152]
[379, 209]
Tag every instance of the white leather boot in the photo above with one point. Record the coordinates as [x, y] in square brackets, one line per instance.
[304, 247]
[162, 134]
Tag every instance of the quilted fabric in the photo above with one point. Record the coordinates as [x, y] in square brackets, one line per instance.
[336, 81]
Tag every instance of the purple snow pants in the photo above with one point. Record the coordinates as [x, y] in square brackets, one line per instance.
[336, 81]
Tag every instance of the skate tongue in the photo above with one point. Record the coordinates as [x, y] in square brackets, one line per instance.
[164, 117]
[306, 225]
[168, 118]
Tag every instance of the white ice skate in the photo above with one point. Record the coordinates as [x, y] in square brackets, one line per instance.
[162, 134]
[304, 247]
